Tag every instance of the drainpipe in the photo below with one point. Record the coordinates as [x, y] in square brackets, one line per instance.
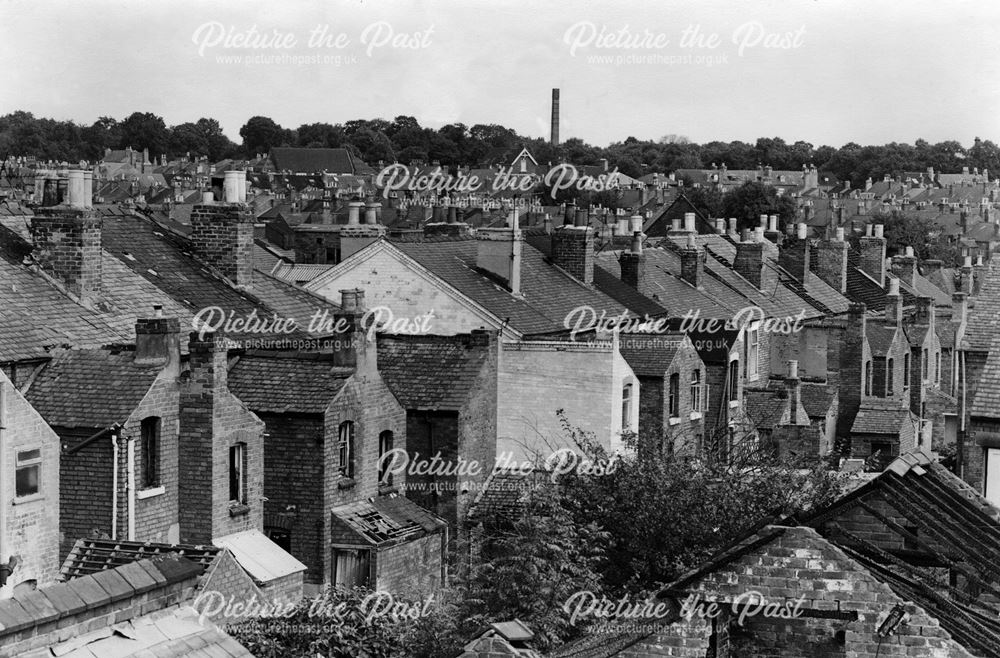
[4, 503]
[114, 485]
[130, 488]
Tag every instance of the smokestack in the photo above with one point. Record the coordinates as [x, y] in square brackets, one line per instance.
[555, 117]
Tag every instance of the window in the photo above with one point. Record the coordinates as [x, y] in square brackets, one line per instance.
[696, 390]
[923, 365]
[734, 380]
[884, 451]
[753, 353]
[26, 476]
[237, 473]
[906, 370]
[868, 377]
[350, 568]
[674, 398]
[345, 448]
[627, 407]
[281, 537]
[890, 365]
[150, 452]
[937, 369]
[384, 447]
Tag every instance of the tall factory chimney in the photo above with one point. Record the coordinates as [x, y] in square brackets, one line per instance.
[555, 117]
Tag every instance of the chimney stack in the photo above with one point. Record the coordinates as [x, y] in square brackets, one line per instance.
[633, 265]
[222, 234]
[749, 262]
[905, 266]
[959, 307]
[555, 117]
[573, 248]
[831, 261]
[67, 238]
[692, 263]
[733, 227]
[893, 303]
[967, 277]
[924, 311]
[932, 265]
[794, 255]
[498, 251]
[158, 341]
[872, 250]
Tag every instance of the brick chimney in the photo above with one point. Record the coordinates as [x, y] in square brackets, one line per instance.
[633, 265]
[733, 227]
[499, 252]
[222, 233]
[924, 311]
[573, 248]
[793, 390]
[872, 250]
[749, 262]
[852, 371]
[794, 254]
[200, 390]
[67, 239]
[157, 341]
[967, 281]
[693, 263]
[893, 303]
[356, 235]
[959, 307]
[905, 267]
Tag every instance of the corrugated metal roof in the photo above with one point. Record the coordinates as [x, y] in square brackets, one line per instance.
[259, 556]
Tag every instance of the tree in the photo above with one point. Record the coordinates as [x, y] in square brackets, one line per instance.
[752, 199]
[668, 509]
[260, 134]
[144, 130]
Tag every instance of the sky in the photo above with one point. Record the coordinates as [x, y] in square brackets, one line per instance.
[823, 71]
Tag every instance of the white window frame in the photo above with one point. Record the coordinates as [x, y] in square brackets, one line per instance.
[753, 353]
[33, 462]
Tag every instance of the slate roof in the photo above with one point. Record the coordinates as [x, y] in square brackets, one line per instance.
[90, 388]
[430, 372]
[89, 556]
[987, 400]
[382, 520]
[984, 317]
[286, 383]
[650, 355]
[315, 160]
[875, 418]
[548, 293]
[765, 408]
[880, 337]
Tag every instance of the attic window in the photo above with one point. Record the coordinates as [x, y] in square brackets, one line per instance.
[152, 271]
[129, 256]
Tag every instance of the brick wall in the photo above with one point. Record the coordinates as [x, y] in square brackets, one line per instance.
[85, 488]
[156, 516]
[222, 236]
[367, 401]
[68, 246]
[573, 251]
[854, 353]
[32, 531]
[477, 433]
[410, 569]
[797, 564]
[293, 476]
[974, 454]
[226, 577]
[430, 434]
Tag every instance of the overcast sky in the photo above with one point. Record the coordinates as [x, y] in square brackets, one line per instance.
[858, 70]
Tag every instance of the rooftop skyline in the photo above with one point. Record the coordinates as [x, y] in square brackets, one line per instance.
[837, 73]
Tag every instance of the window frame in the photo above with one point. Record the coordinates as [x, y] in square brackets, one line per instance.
[733, 394]
[890, 365]
[238, 470]
[753, 353]
[696, 396]
[384, 476]
[674, 395]
[345, 449]
[150, 429]
[627, 406]
[868, 377]
[34, 463]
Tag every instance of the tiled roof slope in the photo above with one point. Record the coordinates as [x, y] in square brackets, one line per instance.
[987, 400]
[282, 384]
[430, 372]
[649, 355]
[90, 388]
[313, 160]
[984, 317]
[878, 419]
[503, 494]
[549, 294]
[383, 519]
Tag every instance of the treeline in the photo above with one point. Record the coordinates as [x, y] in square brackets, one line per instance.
[403, 139]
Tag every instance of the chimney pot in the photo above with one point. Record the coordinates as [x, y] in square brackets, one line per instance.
[689, 219]
[908, 251]
[772, 224]
[793, 369]
[802, 231]
[894, 287]
[840, 234]
[879, 230]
